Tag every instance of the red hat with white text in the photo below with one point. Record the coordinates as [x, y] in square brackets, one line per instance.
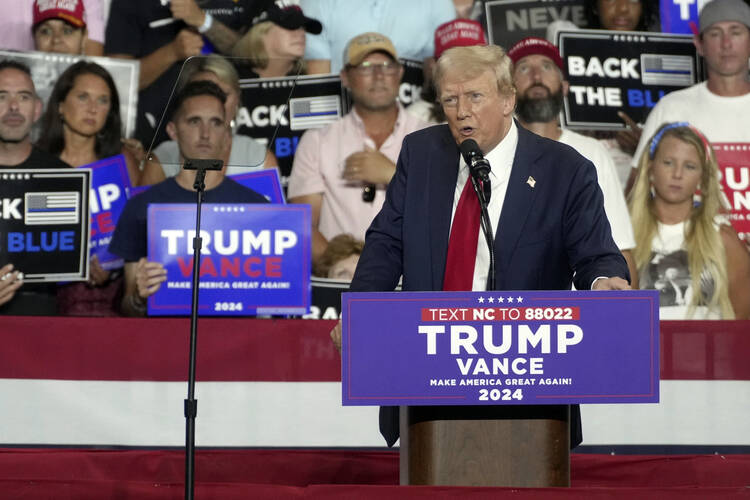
[535, 46]
[458, 33]
[70, 11]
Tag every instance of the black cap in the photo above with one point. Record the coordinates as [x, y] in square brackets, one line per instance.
[290, 17]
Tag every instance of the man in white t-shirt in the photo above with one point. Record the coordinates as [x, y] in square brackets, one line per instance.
[540, 88]
[720, 106]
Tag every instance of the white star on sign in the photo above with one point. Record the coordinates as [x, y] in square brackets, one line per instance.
[480, 300]
[519, 299]
[490, 300]
[499, 300]
[510, 299]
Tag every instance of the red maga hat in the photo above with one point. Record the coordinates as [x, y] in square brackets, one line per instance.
[535, 46]
[70, 11]
[458, 33]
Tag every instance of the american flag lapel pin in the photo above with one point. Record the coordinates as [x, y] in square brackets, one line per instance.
[531, 182]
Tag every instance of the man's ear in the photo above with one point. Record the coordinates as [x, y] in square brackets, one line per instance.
[38, 108]
[344, 78]
[172, 131]
[565, 87]
[84, 39]
[509, 104]
[698, 42]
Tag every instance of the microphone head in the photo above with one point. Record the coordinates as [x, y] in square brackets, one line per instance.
[470, 150]
[478, 165]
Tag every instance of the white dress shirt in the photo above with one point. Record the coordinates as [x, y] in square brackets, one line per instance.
[501, 160]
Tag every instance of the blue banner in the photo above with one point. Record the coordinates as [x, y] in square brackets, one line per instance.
[110, 188]
[489, 348]
[676, 15]
[255, 258]
[265, 182]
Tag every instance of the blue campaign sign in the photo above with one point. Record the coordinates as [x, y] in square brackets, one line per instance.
[255, 258]
[265, 182]
[489, 348]
[676, 15]
[137, 190]
[110, 185]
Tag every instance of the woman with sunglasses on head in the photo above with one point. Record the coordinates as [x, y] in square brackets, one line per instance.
[82, 125]
[275, 45]
[685, 248]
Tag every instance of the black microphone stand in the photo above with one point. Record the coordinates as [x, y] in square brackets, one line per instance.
[483, 189]
[191, 404]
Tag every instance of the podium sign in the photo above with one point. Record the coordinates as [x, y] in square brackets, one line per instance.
[255, 258]
[490, 348]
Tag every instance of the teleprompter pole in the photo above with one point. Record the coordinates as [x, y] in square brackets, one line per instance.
[191, 404]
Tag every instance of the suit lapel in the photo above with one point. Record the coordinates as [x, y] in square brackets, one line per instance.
[443, 173]
[519, 198]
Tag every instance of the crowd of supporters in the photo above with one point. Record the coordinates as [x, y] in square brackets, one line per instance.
[674, 229]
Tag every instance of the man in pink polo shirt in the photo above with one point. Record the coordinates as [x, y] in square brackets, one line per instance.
[342, 170]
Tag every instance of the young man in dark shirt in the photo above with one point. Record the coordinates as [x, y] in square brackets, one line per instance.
[20, 108]
[199, 127]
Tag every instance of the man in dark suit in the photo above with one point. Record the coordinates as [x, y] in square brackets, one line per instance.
[546, 207]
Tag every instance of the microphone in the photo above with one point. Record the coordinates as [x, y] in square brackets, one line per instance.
[479, 167]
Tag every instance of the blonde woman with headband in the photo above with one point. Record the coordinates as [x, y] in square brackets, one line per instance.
[685, 248]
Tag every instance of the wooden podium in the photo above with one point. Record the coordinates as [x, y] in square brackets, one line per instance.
[515, 446]
[488, 383]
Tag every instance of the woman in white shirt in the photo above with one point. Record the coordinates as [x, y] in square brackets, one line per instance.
[685, 248]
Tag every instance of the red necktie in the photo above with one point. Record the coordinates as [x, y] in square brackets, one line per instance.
[462, 245]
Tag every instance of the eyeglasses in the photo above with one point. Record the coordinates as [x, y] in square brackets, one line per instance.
[368, 68]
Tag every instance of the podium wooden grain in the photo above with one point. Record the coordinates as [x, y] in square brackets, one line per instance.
[521, 449]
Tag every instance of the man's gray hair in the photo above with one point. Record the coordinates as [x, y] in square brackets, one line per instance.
[470, 62]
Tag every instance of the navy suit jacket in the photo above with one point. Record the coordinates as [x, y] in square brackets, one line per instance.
[547, 232]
